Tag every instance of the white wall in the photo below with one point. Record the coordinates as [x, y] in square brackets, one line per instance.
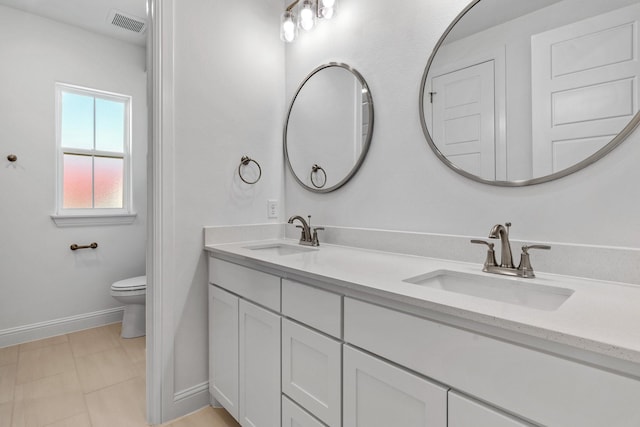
[42, 279]
[224, 99]
[403, 186]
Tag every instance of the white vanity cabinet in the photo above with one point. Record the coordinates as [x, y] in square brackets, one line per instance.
[289, 354]
[245, 359]
[466, 412]
[378, 394]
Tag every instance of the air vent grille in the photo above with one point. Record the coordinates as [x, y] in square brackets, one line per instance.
[128, 22]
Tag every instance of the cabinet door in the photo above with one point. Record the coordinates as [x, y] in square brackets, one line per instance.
[223, 349]
[377, 394]
[259, 366]
[311, 371]
[465, 412]
[294, 416]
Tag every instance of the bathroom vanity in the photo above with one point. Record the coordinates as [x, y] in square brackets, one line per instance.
[338, 336]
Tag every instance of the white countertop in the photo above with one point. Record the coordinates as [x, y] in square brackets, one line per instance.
[601, 317]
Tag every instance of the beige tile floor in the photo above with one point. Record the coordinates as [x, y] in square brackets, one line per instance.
[90, 378]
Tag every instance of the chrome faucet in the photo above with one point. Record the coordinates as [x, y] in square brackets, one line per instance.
[506, 266]
[306, 238]
[502, 232]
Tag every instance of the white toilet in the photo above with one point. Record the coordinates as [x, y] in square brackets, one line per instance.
[131, 293]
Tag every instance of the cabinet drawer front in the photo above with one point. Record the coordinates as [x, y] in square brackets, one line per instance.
[319, 309]
[378, 394]
[294, 416]
[537, 386]
[465, 412]
[311, 369]
[262, 288]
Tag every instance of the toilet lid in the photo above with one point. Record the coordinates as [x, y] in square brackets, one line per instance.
[131, 284]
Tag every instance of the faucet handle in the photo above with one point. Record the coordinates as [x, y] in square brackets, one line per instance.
[490, 261]
[525, 248]
[314, 239]
[525, 268]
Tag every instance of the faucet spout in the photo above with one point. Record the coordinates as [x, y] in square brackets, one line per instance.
[306, 229]
[501, 232]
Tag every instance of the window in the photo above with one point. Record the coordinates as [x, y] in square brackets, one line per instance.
[93, 139]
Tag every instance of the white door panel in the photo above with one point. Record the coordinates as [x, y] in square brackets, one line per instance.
[463, 111]
[584, 87]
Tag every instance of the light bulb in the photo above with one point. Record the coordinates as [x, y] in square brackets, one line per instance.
[326, 8]
[306, 19]
[307, 15]
[288, 29]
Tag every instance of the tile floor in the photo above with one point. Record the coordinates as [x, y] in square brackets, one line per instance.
[91, 378]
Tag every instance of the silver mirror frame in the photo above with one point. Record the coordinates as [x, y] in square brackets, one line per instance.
[624, 133]
[365, 145]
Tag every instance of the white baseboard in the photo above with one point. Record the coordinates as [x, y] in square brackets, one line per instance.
[191, 391]
[187, 401]
[65, 325]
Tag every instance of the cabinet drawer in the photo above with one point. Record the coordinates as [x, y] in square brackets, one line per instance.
[537, 386]
[311, 369]
[294, 416]
[319, 309]
[256, 286]
[378, 394]
[465, 412]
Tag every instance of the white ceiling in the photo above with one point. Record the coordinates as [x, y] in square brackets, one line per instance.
[87, 14]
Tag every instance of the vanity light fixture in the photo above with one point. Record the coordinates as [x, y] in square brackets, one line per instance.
[308, 12]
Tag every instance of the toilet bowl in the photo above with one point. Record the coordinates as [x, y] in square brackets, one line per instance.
[131, 293]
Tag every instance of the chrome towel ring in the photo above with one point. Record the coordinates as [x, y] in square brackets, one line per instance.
[244, 161]
[314, 170]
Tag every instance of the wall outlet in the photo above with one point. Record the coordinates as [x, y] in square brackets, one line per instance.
[272, 209]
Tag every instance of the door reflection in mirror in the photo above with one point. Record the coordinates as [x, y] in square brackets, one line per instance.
[519, 93]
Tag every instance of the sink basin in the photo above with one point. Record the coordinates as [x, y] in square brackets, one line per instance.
[281, 248]
[511, 291]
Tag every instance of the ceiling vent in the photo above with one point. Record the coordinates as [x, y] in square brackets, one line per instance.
[127, 21]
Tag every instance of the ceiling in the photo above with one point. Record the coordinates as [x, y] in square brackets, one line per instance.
[91, 15]
[490, 13]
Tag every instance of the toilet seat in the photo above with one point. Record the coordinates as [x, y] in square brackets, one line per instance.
[130, 285]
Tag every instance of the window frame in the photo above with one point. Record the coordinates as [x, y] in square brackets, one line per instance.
[93, 216]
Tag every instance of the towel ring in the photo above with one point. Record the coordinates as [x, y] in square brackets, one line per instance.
[244, 161]
[314, 170]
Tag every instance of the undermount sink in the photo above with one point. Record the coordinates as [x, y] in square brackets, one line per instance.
[281, 248]
[511, 291]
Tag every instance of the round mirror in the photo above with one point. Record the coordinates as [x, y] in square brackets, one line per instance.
[523, 92]
[328, 128]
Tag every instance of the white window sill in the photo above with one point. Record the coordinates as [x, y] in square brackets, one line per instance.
[89, 220]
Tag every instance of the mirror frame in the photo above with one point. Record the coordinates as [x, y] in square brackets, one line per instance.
[617, 140]
[365, 145]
